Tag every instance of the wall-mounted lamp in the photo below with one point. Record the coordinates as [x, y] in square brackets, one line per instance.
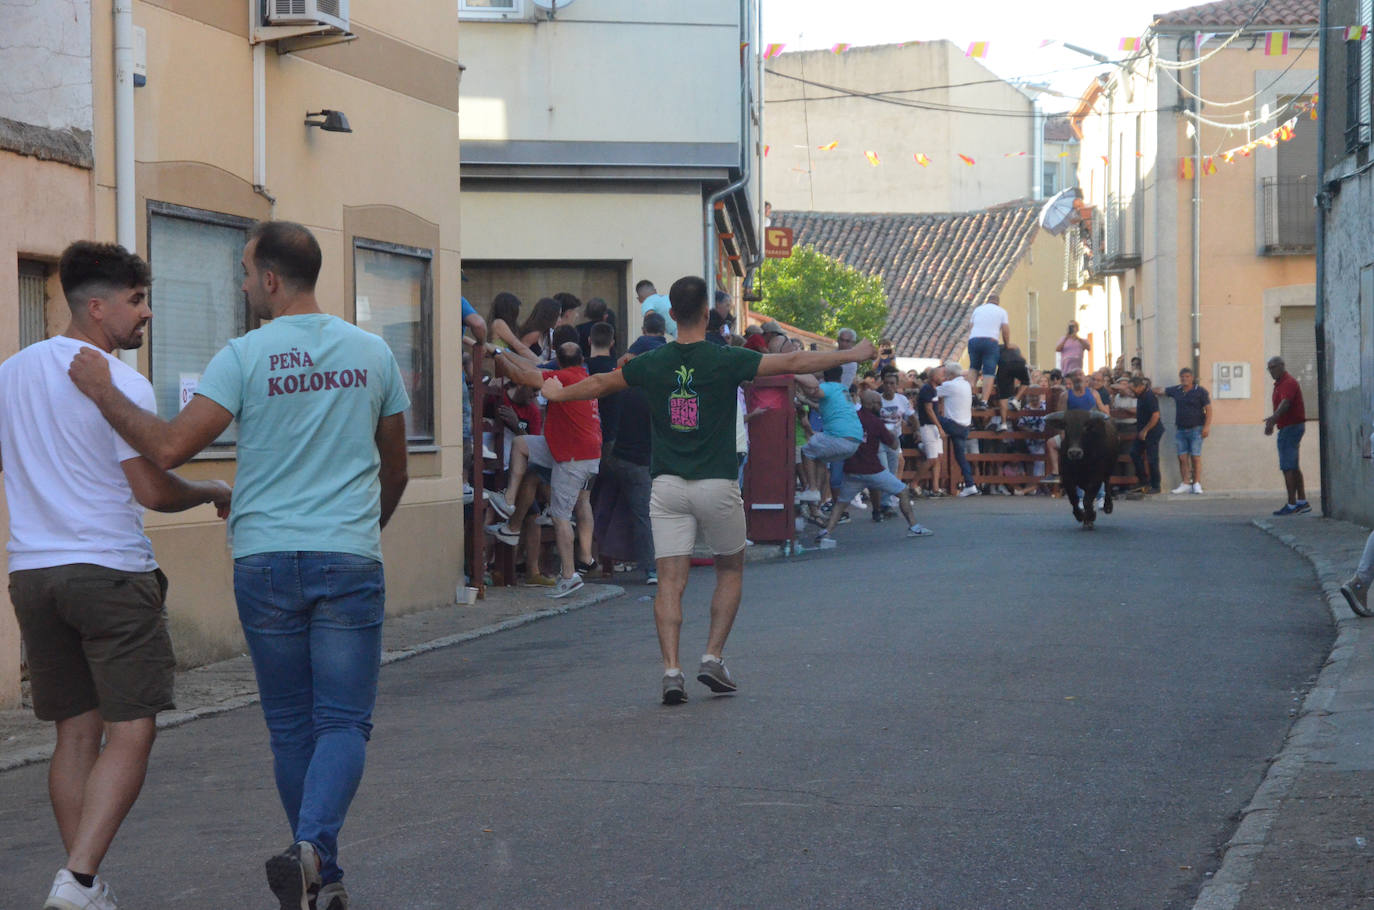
[334, 121]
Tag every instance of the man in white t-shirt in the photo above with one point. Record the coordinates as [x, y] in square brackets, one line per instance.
[86, 589]
[895, 410]
[844, 340]
[957, 396]
[989, 329]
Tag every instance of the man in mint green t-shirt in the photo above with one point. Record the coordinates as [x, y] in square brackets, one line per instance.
[690, 385]
[321, 466]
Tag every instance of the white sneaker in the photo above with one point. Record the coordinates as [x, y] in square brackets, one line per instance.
[858, 501]
[1183, 488]
[809, 496]
[544, 520]
[499, 503]
[1197, 488]
[826, 543]
[566, 586]
[69, 894]
[970, 490]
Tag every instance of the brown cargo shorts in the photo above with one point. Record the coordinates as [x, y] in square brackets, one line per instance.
[95, 638]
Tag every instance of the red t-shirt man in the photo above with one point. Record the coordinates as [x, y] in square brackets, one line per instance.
[1287, 388]
[572, 428]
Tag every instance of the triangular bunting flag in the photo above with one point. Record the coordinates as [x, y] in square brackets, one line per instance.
[765, 150]
[1209, 166]
[872, 158]
[773, 50]
[921, 159]
[977, 49]
[839, 48]
[1357, 33]
[1048, 41]
[1130, 44]
[1105, 160]
[829, 146]
[966, 159]
[1276, 44]
[1185, 169]
[1202, 39]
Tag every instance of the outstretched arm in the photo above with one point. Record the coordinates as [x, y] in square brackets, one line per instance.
[519, 371]
[813, 361]
[598, 386]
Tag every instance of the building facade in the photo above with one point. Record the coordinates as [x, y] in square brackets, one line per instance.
[215, 137]
[604, 144]
[908, 105]
[1346, 267]
[1198, 164]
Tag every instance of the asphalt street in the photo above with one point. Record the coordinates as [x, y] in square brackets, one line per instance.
[1013, 713]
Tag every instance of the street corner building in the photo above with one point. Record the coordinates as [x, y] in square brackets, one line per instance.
[171, 127]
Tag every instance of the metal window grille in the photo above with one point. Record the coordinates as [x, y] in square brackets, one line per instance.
[33, 302]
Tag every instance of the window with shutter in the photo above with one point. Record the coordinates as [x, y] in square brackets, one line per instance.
[197, 297]
[33, 302]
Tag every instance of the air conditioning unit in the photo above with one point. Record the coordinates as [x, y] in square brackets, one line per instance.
[308, 12]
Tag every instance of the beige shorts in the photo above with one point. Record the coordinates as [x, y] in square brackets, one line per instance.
[569, 479]
[931, 443]
[678, 508]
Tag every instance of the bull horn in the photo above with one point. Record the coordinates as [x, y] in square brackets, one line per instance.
[1057, 415]
[1096, 415]
[1055, 420]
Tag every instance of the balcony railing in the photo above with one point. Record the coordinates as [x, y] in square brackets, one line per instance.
[1121, 242]
[1290, 216]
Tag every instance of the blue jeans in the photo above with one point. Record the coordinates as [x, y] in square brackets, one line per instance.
[1188, 440]
[313, 622]
[958, 441]
[1290, 439]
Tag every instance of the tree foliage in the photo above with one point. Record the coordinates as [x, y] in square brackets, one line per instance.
[819, 294]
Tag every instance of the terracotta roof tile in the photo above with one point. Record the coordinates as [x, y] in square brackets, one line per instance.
[935, 268]
[1235, 13]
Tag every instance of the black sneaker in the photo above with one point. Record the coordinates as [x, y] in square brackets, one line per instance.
[584, 566]
[674, 688]
[294, 875]
[845, 519]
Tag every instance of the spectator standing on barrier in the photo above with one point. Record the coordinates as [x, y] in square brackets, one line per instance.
[865, 470]
[1192, 424]
[1011, 382]
[321, 467]
[839, 439]
[502, 321]
[87, 592]
[931, 435]
[570, 450]
[956, 397]
[1149, 429]
[1289, 418]
[896, 410]
[1072, 349]
[518, 410]
[887, 359]
[990, 328]
[691, 385]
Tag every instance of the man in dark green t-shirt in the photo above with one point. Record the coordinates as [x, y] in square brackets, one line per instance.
[690, 385]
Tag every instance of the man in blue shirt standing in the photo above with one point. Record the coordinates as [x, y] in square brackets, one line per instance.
[321, 467]
[1192, 422]
[1149, 430]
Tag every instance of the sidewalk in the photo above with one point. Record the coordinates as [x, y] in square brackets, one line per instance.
[229, 684]
[1307, 837]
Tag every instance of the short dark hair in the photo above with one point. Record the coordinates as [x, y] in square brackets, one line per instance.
[569, 354]
[654, 323]
[1188, 370]
[289, 251]
[566, 334]
[891, 372]
[714, 321]
[596, 309]
[98, 268]
[688, 299]
[645, 283]
[566, 301]
[868, 373]
[601, 335]
[721, 296]
[833, 374]
[1056, 373]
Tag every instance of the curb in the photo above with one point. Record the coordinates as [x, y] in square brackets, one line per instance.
[169, 719]
[1243, 850]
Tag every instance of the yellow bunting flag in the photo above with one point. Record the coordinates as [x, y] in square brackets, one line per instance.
[773, 50]
[1130, 44]
[840, 48]
[1357, 33]
[872, 158]
[1063, 154]
[829, 146]
[1228, 157]
[922, 160]
[977, 49]
[1209, 166]
[1276, 44]
[966, 159]
[1186, 169]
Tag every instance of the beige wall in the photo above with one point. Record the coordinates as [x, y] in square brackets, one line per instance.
[395, 178]
[1242, 292]
[800, 177]
[614, 71]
